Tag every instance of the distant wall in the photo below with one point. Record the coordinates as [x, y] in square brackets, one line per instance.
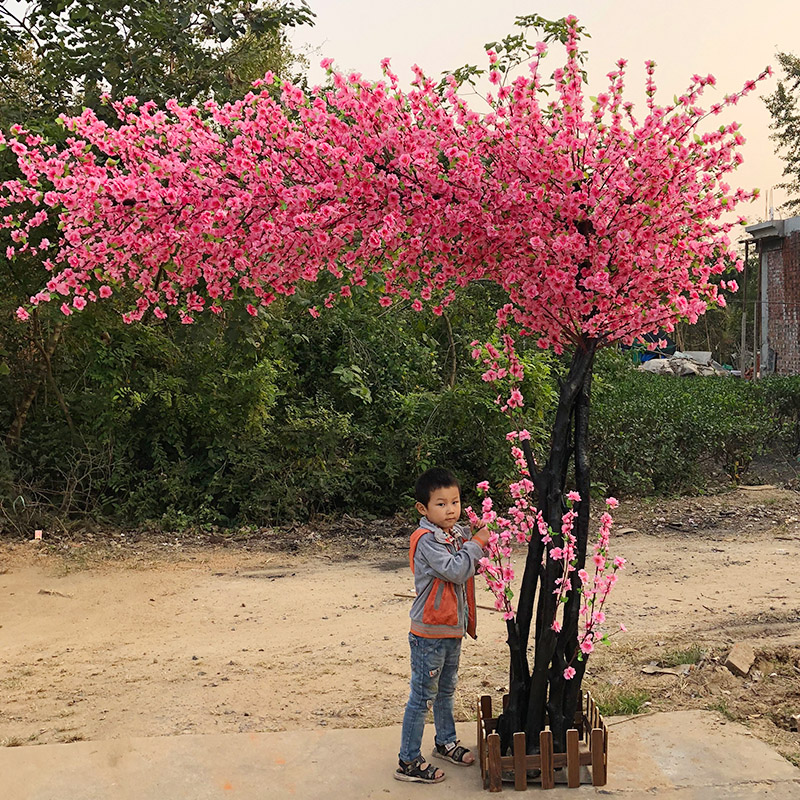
[783, 282]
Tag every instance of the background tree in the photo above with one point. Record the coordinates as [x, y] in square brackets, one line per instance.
[782, 105]
[57, 57]
[190, 50]
[598, 226]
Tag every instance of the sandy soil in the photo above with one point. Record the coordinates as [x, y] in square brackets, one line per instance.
[127, 635]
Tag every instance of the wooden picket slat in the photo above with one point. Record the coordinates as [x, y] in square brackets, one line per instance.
[520, 767]
[546, 752]
[482, 739]
[598, 758]
[495, 769]
[573, 760]
[486, 706]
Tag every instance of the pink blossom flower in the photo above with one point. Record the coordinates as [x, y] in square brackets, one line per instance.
[569, 673]
[612, 502]
[515, 399]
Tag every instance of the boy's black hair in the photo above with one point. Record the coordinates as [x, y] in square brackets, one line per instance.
[431, 480]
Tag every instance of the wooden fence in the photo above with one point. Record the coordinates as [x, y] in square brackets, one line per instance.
[587, 745]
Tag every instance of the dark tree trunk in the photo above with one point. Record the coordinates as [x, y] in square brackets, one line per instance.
[565, 694]
[543, 692]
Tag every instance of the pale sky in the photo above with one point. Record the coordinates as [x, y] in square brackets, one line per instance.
[732, 40]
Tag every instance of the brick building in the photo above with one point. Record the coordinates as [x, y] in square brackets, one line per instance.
[777, 243]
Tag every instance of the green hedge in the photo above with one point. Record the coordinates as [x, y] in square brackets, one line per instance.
[283, 417]
[655, 434]
[245, 420]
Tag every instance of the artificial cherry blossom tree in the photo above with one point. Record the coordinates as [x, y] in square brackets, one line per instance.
[600, 224]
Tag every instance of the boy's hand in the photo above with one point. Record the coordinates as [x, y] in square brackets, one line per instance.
[481, 536]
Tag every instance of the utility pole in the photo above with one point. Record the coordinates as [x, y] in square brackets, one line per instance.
[743, 345]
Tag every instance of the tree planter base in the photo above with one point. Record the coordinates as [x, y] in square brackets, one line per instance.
[587, 746]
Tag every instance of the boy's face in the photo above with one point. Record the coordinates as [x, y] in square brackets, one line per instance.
[444, 507]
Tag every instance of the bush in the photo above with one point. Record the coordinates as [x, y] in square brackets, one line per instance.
[257, 420]
[655, 434]
[282, 417]
[781, 399]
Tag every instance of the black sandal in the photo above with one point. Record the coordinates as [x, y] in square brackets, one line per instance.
[412, 771]
[453, 752]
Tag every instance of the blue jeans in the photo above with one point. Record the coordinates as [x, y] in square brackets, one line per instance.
[434, 675]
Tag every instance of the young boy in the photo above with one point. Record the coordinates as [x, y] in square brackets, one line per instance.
[443, 559]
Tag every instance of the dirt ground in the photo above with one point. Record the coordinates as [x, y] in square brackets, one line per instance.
[112, 635]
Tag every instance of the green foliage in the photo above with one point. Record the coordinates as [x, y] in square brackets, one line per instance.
[262, 419]
[783, 106]
[252, 420]
[687, 655]
[654, 434]
[188, 49]
[781, 399]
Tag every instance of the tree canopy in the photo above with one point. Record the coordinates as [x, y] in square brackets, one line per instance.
[783, 106]
[597, 223]
[188, 49]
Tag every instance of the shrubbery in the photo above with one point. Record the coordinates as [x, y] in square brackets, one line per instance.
[284, 417]
[654, 434]
[259, 420]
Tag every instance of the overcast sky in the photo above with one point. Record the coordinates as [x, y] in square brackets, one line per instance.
[732, 40]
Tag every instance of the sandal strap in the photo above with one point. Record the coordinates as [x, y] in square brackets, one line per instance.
[458, 753]
[414, 769]
[453, 750]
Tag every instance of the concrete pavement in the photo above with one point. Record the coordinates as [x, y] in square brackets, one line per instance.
[684, 755]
